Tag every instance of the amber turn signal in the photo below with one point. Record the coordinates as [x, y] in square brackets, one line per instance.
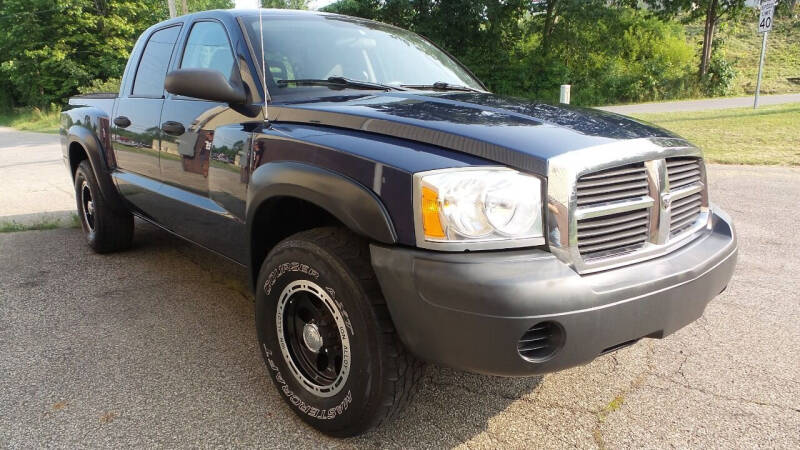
[431, 223]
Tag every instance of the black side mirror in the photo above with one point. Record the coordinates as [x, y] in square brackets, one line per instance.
[206, 84]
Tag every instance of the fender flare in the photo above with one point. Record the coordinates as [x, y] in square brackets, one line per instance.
[357, 207]
[94, 151]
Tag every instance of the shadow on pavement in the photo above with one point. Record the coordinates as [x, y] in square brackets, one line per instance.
[450, 408]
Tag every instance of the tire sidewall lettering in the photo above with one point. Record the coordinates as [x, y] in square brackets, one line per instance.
[298, 402]
[285, 268]
[295, 267]
[274, 278]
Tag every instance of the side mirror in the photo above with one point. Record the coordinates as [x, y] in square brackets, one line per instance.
[206, 84]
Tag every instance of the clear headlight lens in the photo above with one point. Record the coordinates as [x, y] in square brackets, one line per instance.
[473, 205]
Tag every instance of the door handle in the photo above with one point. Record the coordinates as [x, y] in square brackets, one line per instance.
[122, 122]
[173, 128]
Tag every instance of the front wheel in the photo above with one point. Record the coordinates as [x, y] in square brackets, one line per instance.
[326, 335]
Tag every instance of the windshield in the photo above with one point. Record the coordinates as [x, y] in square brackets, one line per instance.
[323, 46]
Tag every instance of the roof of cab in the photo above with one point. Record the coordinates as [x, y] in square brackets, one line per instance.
[266, 12]
[234, 13]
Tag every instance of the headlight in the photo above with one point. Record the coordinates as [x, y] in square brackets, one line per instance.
[477, 208]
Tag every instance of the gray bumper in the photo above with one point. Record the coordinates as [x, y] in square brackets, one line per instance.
[469, 310]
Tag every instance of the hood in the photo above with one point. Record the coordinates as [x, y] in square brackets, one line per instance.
[511, 131]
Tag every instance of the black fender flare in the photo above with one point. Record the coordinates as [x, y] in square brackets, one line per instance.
[94, 151]
[357, 207]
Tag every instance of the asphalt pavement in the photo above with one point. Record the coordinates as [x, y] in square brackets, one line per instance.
[155, 347]
[36, 186]
[703, 104]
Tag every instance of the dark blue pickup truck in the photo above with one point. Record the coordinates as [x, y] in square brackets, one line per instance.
[392, 211]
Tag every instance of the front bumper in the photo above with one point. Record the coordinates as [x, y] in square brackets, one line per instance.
[469, 310]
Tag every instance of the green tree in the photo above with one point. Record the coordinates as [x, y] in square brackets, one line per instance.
[610, 53]
[205, 5]
[285, 4]
[613, 50]
[483, 34]
[48, 48]
[712, 12]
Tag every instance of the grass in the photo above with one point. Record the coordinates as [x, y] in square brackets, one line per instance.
[769, 135]
[44, 224]
[32, 119]
[741, 45]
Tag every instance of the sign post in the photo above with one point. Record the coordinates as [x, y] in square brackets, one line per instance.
[764, 27]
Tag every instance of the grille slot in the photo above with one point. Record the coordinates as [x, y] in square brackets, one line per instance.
[616, 184]
[541, 341]
[617, 233]
[683, 173]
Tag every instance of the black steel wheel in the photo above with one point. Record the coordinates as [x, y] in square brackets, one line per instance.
[312, 337]
[326, 334]
[107, 229]
[87, 205]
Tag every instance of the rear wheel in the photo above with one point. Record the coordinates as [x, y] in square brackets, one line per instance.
[326, 335]
[106, 229]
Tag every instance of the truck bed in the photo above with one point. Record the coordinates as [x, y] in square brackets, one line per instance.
[103, 101]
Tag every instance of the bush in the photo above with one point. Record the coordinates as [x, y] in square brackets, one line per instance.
[615, 55]
[33, 118]
[720, 77]
[101, 86]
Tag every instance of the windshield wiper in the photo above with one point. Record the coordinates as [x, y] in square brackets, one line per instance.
[340, 82]
[441, 86]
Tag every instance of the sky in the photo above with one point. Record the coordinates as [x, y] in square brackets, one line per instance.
[313, 4]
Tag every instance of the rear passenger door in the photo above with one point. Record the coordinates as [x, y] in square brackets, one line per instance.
[136, 127]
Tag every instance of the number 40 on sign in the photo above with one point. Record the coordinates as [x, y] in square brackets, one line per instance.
[765, 20]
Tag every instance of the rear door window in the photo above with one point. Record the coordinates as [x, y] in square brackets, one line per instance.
[208, 48]
[152, 70]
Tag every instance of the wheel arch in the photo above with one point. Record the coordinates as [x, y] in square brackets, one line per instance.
[315, 197]
[76, 154]
[83, 144]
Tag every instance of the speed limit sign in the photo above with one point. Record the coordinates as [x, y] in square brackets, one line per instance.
[765, 20]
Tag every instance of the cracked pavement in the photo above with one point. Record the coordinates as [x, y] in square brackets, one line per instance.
[155, 347]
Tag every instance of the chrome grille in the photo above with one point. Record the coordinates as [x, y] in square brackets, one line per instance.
[684, 174]
[625, 202]
[606, 235]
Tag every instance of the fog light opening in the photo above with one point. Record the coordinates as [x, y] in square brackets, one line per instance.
[541, 341]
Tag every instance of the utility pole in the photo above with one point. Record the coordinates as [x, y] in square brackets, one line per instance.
[172, 12]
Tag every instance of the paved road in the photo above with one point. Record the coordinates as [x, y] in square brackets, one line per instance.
[155, 347]
[701, 105]
[36, 185]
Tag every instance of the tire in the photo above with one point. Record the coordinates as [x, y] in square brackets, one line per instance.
[321, 286]
[106, 230]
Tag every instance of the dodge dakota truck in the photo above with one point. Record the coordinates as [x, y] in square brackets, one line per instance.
[390, 210]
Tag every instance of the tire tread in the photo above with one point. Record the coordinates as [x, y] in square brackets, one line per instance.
[402, 371]
[113, 230]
